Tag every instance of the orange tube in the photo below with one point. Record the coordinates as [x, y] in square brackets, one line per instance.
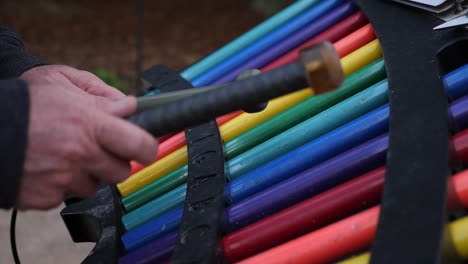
[327, 244]
[355, 40]
[342, 238]
[460, 183]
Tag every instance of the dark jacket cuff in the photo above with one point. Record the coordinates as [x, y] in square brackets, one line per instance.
[14, 60]
[14, 118]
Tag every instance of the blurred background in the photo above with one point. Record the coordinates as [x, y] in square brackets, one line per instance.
[100, 36]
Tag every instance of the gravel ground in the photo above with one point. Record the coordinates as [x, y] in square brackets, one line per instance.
[41, 238]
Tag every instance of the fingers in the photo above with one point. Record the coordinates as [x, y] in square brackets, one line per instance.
[83, 185]
[123, 107]
[107, 167]
[125, 140]
[91, 83]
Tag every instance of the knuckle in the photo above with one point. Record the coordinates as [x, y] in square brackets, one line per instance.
[73, 152]
[62, 181]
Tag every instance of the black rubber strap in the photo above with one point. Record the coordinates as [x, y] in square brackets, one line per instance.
[413, 211]
[200, 226]
[164, 79]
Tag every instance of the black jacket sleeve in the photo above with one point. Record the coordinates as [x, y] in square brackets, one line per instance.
[14, 113]
[14, 60]
[14, 117]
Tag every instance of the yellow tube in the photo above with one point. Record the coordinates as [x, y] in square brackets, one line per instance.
[350, 63]
[360, 259]
[459, 234]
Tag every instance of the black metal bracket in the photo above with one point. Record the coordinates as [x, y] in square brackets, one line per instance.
[415, 189]
[97, 219]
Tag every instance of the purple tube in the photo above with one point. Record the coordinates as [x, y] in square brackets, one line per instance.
[309, 31]
[458, 112]
[315, 180]
[155, 252]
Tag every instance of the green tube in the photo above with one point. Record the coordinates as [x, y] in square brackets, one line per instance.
[353, 84]
[356, 82]
[155, 189]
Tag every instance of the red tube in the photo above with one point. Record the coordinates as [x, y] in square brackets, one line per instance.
[325, 208]
[339, 29]
[327, 244]
[308, 215]
[342, 238]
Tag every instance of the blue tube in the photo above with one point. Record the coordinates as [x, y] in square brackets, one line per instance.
[457, 81]
[299, 37]
[267, 41]
[339, 140]
[333, 117]
[146, 233]
[246, 39]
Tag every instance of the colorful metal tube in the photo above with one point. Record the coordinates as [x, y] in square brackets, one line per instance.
[247, 38]
[313, 213]
[317, 211]
[177, 141]
[347, 44]
[308, 130]
[356, 82]
[373, 154]
[327, 244]
[295, 24]
[293, 55]
[354, 234]
[322, 209]
[308, 31]
[240, 124]
[450, 90]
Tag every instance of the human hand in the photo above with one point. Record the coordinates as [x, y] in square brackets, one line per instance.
[76, 137]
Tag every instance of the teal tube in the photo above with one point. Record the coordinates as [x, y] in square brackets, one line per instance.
[246, 39]
[162, 204]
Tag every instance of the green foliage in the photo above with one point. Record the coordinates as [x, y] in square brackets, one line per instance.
[113, 79]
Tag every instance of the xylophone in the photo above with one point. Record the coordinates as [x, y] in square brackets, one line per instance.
[310, 179]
